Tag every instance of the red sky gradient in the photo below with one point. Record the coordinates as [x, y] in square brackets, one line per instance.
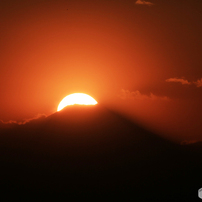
[142, 58]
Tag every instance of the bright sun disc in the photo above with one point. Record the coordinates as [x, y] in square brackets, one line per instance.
[76, 98]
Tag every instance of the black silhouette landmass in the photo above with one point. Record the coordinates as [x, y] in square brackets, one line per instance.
[91, 151]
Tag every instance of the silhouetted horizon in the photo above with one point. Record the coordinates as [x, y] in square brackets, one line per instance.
[92, 150]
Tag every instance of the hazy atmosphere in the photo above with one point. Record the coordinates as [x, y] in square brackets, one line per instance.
[141, 58]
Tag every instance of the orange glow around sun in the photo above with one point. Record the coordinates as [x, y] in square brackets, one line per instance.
[76, 98]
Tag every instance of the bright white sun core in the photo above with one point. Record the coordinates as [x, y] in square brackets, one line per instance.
[76, 98]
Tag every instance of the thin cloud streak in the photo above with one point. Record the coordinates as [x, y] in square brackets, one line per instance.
[37, 117]
[126, 94]
[5, 124]
[142, 2]
[8, 124]
[198, 83]
[182, 81]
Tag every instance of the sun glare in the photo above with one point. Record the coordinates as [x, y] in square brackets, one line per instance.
[76, 98]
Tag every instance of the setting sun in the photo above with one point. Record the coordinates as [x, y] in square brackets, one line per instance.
[76, 98]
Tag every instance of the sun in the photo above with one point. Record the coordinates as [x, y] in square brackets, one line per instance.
[76, 98]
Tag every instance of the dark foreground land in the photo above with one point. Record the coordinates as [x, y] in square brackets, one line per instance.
[91, 151]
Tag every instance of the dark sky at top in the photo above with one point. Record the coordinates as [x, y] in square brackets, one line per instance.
[142, 58]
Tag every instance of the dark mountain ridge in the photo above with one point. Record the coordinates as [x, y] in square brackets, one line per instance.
[85, 150]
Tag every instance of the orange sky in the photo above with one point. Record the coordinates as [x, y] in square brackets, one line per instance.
[141, 59]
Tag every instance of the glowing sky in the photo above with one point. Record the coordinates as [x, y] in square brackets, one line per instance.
[142, 58]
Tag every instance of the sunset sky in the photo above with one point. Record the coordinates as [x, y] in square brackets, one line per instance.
[141, 58]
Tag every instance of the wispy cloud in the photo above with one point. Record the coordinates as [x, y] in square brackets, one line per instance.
[126, 94]
[198, 83]
[182, 81]
[11, 123]
[7, 124]
[142, 2]
[35, 118]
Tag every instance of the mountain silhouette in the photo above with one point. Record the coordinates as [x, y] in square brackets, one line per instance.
[93, 151]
